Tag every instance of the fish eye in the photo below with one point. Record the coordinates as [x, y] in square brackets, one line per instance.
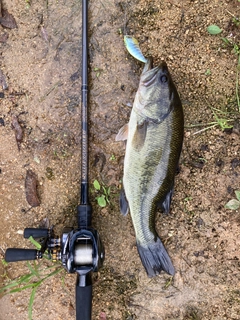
[163, 78]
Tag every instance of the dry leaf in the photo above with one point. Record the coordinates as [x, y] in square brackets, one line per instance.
[18, 130]
[7, 20]
[31, 189]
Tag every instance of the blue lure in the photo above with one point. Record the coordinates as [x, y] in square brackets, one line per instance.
[132, 46]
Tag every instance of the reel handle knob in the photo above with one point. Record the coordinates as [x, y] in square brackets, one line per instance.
[15, 254]
[35, 233]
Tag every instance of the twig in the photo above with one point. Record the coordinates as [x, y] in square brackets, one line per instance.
[205, 129]
[237, 83]
[57, 84]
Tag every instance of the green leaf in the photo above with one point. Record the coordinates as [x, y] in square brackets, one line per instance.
[213, 29]
[30, 285]
[35, 243]
[232, 204]
[236, 49]
[96, 185]
[226, 41]
[30, 306]
[25, 278]
[102, 201]
[208, 72]
[237, 193]
[104, 190]
[58, 270]
[4, 262]
[34, 270]
[30, 268]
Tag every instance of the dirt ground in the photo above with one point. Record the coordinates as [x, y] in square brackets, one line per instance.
[41, 63]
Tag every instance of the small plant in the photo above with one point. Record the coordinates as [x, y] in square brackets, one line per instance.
[98, 71]
[112, 158]
[208, 72]
[220, 121]
[28, 3]
[61, 153]
[236, 49]
[168, 283]
[236, 21]
[32, 280]
[187, 199]
[104, 193]
[38, 273]
[234, 204]
[230, 42]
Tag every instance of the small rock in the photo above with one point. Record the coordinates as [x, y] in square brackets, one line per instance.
[3, 37]
[235, 163]
[3, 82]
[236, 126]
[49, 173]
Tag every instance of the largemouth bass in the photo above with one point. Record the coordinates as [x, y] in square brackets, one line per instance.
[154, 137]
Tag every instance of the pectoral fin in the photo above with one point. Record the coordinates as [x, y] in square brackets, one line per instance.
[122, 134]
[140, 135]
[124, 207]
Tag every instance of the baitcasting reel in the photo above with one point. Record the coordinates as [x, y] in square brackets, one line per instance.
[80, 250]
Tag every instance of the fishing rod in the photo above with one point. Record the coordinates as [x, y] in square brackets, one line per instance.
[80, 250]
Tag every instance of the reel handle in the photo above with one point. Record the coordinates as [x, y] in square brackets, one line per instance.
[15, 254]
[35, 233]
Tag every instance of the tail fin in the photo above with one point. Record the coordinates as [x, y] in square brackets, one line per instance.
[155, 258]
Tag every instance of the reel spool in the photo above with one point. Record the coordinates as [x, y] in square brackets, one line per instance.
[83, 254]
[82, 250]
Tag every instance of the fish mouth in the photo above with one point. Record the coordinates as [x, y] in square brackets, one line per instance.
[148, 65]
[149, 74]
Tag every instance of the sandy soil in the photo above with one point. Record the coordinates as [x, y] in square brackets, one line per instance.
[41, 60]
